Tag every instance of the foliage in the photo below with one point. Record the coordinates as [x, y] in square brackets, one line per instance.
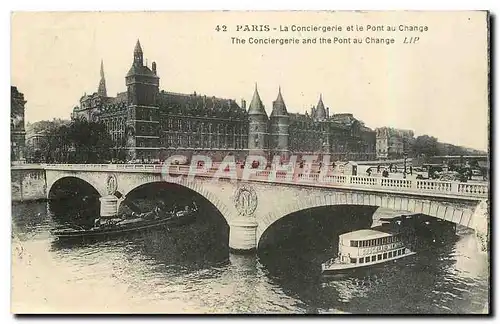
[80, 141]
[425, 145]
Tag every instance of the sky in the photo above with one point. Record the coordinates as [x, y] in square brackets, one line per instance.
[437, 86]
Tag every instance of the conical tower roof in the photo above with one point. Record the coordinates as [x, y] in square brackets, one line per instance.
[138, 48]
[279, 107]
[256, 107]
[320, 111]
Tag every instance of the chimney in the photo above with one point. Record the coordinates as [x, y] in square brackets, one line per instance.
[153, 67]
[327, 112]
[243, 104]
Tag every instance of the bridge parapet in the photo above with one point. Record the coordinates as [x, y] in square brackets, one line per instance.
[452, 188]
[259, 197]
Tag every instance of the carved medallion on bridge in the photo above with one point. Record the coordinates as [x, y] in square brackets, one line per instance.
[111, 185]
[245, 200]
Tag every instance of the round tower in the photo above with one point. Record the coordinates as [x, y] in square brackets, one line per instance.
[257, 126]
[279, 128]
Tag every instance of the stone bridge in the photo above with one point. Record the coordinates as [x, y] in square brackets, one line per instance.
[250, 206]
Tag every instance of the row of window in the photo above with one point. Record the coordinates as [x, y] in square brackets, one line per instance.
[378, 257]
[211, 141]
[375, 242]
[187, 125]
[118, 137]
[146, 114]
[114, 124]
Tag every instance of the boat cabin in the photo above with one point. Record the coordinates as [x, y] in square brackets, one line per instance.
[369, 245]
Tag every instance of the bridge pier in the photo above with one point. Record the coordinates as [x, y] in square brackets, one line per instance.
[243, 235]
[109, 206]
[480, 223]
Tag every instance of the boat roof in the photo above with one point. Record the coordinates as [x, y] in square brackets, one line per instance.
[365, 234]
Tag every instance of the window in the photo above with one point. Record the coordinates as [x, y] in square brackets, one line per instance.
[402, 251]
[390, 255]
[374, 258]
[354, 243]
[379, 257]
[385, 256]
[367, 259]
[353, 260]
[361, 260]
[372, 242]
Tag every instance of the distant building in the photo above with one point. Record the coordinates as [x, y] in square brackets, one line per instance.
[150, 125]
[38, 135]
[341, 136]
[393, 143]
[17, 131]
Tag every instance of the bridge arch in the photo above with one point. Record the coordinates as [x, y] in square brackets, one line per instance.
[54, 177]
[447, 211]
[192, 186]
[71, 181]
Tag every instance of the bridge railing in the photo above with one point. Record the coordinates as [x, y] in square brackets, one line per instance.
[338, 180]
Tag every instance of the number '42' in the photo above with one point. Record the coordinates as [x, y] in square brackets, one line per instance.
[221, 28]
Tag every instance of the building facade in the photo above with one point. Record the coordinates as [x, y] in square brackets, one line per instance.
[394, 143]
[17, 129]
[149, 124]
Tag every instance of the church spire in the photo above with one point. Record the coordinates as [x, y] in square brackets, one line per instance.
[320, 111]
[256, 107]
[101, 91]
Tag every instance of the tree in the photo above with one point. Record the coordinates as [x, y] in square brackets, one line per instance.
[425, 145]
[80, 142]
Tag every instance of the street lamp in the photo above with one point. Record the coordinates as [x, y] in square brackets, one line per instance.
[405, 157]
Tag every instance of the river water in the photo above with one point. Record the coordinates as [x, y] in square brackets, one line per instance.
[191, 270]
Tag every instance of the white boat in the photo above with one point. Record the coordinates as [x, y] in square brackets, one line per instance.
[364, 248]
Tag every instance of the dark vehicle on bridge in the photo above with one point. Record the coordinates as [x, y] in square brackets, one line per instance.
[441, 172]
[130, 223]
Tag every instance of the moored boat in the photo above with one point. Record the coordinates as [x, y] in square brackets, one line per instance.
[364, 248]
[130, 223]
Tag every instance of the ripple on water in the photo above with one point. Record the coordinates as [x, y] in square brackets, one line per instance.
[146, 275]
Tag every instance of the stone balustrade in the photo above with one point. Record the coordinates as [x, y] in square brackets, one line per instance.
[334, 180]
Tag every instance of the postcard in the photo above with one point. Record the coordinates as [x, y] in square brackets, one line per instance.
[250, 162]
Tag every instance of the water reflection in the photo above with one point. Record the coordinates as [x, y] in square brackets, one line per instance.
[191, 270]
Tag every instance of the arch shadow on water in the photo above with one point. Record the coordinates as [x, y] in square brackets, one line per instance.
[201, 244]
[424, 283]
[73, 201]
[293, 248]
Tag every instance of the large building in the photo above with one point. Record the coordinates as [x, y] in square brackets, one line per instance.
[147, 124]
[394, 143]
[17, 131]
